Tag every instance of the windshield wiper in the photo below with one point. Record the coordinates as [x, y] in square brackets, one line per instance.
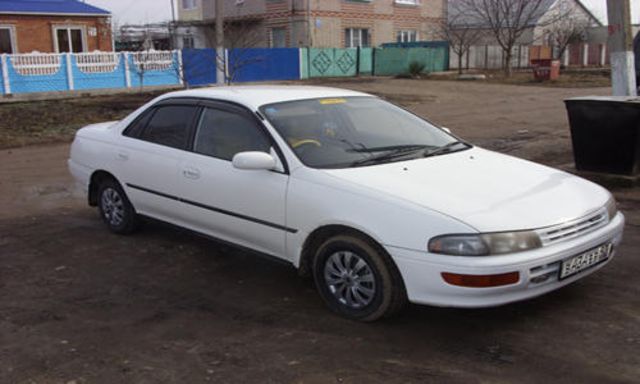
[405, 147]
[445, 148]
[390, 154]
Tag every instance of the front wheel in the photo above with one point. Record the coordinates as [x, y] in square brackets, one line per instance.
[357, 279]
[115, 209]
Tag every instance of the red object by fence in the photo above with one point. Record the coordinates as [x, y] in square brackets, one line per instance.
[546, 69]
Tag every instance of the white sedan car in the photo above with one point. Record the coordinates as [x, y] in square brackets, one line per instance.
[379, 205]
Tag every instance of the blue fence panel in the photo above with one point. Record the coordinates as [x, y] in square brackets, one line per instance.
[26, 83]
[108, 77]
[154, 76]
[4, 92]
[199, 66]
[264, 64]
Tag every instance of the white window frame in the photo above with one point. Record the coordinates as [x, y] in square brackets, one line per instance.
[12, 36]
[408, 2]
[405, 35]
[350, 43]
[69, 27]
[189, 4]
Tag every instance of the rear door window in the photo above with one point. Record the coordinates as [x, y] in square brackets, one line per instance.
[170, 125]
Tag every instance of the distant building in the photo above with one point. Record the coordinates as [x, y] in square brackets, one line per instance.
[313, 23]
[53, 26]
[143, 37]
[537, 30]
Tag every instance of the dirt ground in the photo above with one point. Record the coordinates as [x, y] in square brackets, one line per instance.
[80, 305]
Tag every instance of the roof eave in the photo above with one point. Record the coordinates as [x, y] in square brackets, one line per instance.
[55, 14]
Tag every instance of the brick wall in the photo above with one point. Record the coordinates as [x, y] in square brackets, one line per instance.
[330, 18]
[35, 33]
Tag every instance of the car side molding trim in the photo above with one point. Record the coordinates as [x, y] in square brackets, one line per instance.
[214, 209]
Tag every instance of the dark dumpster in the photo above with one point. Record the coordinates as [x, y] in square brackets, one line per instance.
[605, 132]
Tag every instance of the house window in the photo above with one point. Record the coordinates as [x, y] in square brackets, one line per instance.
[188, 42]
[356, 37]
[278, 37]
[408, 2]
[6, 40]
[69, 39]
[189, 4]
[408, 36]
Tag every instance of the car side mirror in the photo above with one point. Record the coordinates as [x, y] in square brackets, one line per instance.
[446, 129]
[254, 161]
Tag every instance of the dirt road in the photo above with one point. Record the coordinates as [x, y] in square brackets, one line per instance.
[78, 304]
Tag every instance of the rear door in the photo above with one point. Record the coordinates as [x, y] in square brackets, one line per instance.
[242, 206]
[148, 159]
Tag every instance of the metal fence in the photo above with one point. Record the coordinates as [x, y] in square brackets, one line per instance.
[99, 70]
[492, 56]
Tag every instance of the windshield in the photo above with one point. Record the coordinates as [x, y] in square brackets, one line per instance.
[355, 131]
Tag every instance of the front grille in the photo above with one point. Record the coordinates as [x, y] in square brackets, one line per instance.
[575, 228]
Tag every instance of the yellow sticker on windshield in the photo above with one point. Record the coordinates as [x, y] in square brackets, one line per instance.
[332, 101]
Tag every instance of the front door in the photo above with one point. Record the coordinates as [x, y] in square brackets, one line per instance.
[246, 207]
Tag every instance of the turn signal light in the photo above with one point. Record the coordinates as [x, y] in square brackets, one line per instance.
[481, 281]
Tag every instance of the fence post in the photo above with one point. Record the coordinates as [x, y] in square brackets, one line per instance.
[5, 75]
[226, 67]
[127, 72]
[70, 83]
[178, 53]
[603, 55]
[300, 63]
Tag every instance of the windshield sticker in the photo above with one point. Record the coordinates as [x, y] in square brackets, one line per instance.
[332, 101]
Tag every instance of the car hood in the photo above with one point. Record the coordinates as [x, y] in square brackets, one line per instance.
[486, 190]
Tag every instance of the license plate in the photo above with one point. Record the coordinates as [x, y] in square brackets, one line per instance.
[579, 263]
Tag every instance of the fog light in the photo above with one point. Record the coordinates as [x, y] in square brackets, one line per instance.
[481, 281]
[543, 278]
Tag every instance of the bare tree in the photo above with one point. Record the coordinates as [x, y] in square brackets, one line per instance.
[508, 20]
[460, 34]
[565, 31]
[240, 37]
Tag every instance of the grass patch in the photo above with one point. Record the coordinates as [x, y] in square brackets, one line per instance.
[42, 122]
[568, 78]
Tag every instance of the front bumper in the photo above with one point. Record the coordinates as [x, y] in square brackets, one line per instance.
[422, 271]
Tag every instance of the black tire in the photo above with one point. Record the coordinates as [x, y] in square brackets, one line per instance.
[115, 208]
[389, 294]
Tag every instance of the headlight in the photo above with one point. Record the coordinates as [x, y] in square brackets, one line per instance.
[612, 208]
[485, 244]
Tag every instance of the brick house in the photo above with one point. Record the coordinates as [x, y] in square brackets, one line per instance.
[53, 26]
[312, 23]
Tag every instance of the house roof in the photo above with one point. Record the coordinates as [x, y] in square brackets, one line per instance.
[50, 7]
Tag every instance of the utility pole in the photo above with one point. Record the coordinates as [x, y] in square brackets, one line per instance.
[623, 73]
[220, 57]
[172, 26]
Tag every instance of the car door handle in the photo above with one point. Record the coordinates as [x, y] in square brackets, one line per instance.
[191, 173]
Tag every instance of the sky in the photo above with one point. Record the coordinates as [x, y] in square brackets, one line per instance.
[136, 11]
[149, 11]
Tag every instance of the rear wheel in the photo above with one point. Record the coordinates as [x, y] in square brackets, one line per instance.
[357, 279]
[115, 209]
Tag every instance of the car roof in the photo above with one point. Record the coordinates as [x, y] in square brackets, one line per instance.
[257, 96]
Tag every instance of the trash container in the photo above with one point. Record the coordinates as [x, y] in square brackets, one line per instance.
[605, 132]
[545, 69]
